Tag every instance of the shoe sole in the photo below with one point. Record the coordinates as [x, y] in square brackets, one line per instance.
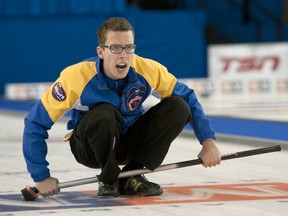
[150, 194]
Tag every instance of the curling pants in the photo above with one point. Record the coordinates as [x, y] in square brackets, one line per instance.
[98, 142]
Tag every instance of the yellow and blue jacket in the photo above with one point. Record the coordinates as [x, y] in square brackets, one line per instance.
[83, 86]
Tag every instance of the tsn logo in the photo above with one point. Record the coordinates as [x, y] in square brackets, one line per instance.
[250, 63]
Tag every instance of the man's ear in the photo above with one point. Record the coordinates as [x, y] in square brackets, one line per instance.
[99, 51]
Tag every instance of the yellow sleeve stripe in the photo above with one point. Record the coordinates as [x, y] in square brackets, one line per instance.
[156, 75]
[67, 89]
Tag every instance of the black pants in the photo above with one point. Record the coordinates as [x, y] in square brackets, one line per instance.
[97, 141]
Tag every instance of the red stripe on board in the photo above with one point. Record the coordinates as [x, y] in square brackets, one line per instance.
[214, 193]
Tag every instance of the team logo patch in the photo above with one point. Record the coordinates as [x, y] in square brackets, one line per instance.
[58, 92]
[135, 95]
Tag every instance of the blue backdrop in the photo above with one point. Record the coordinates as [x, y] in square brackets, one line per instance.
[39, 38]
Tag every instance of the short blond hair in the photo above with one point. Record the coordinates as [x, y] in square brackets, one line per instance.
[113, 24]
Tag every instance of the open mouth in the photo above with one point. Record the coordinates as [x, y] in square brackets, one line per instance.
[121, 66]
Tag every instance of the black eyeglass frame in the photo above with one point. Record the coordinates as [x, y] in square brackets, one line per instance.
[122, 47]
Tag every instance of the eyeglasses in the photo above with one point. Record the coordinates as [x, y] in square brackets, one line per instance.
[117, 48]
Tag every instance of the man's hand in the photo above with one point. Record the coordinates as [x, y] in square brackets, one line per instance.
[210, 154]
[48, 187]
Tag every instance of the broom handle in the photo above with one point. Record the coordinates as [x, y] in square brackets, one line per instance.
[171, 166]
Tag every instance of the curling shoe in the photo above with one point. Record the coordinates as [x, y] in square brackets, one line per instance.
[108, 189]
[139, 185]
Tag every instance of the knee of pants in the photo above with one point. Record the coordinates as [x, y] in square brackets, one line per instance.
[104, 115]
[180, 108]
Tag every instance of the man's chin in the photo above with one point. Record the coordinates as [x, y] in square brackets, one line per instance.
[121, 74]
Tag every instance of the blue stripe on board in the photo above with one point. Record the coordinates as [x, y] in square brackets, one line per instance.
[16, 105]
[249, 128]
[224, 125]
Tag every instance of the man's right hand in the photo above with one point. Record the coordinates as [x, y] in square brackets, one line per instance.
[48, 187]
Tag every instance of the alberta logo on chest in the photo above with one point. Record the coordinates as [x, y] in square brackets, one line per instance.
[135, 96]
